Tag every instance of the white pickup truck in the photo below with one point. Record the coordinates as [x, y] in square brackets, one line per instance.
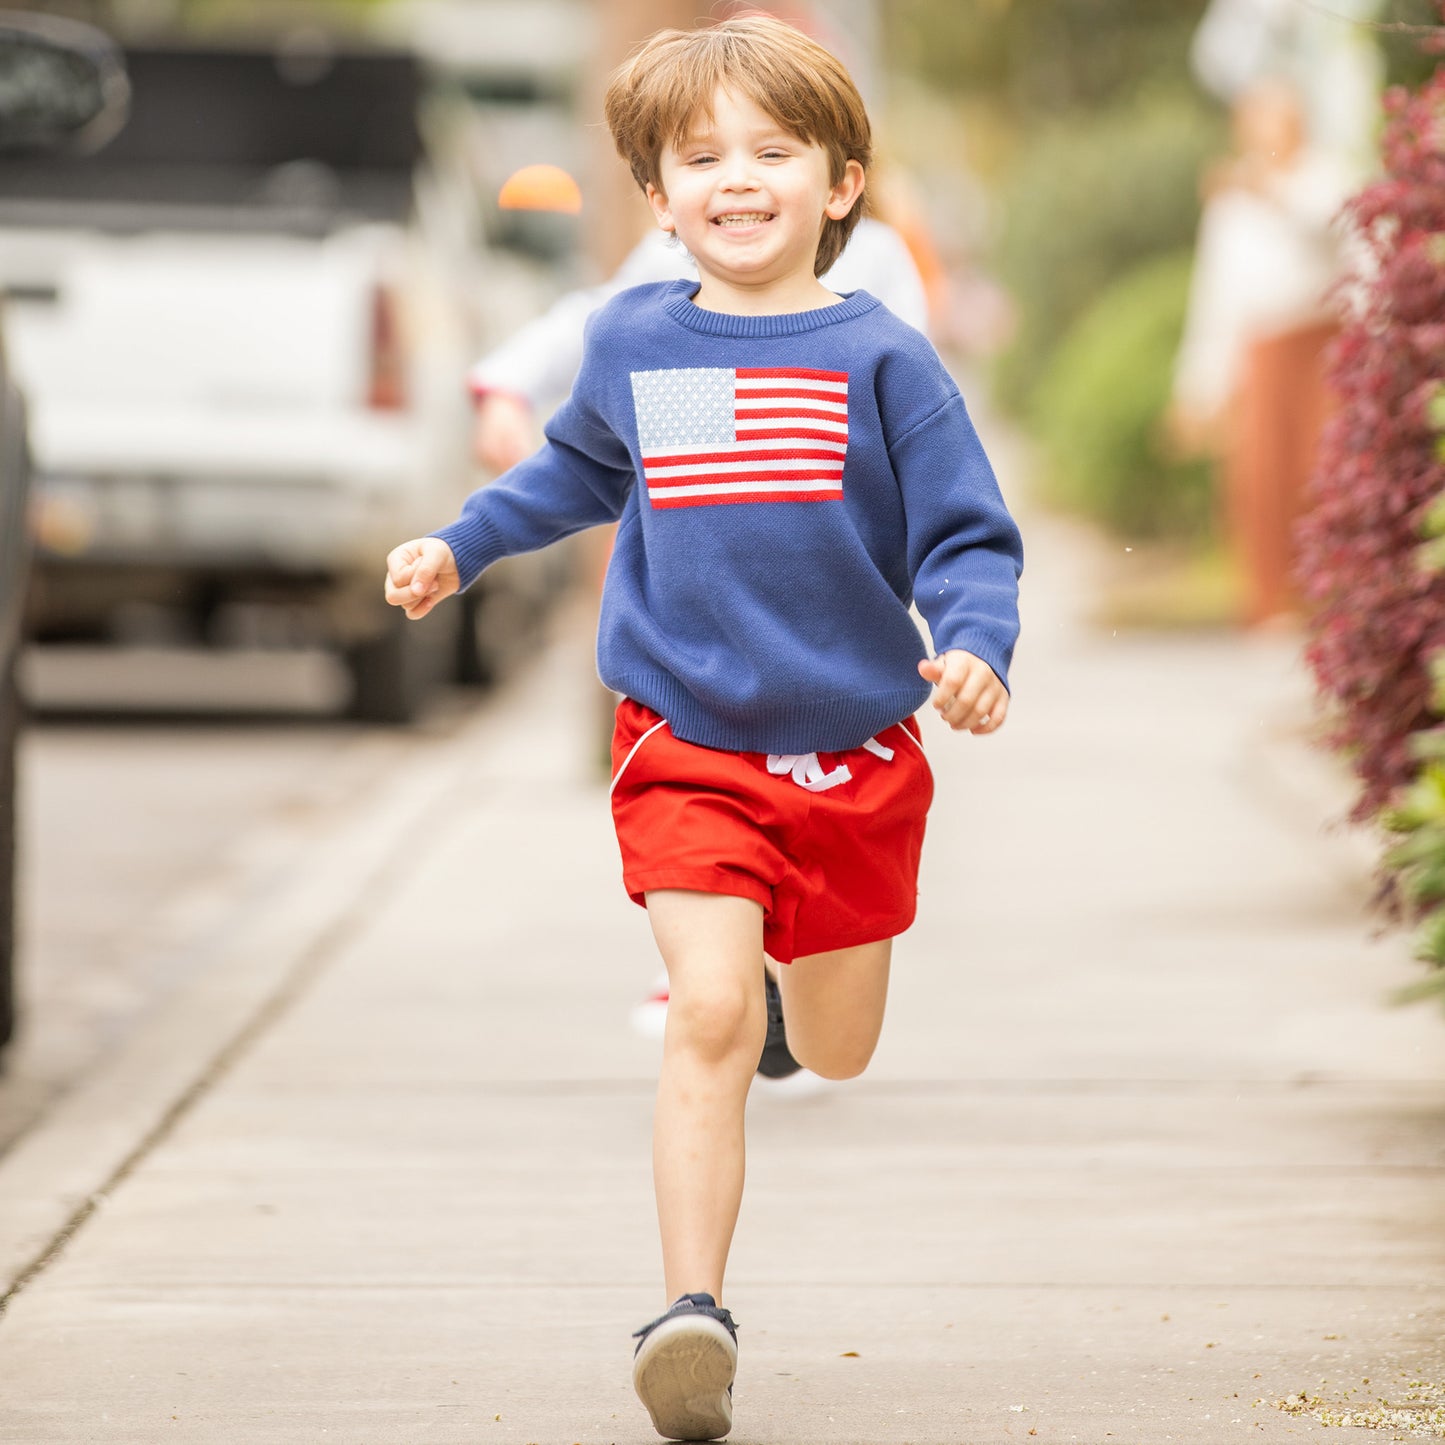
[245, 357]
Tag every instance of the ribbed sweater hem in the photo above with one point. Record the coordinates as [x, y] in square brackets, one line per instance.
[824, 725]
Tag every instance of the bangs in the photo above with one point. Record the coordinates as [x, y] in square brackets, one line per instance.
[660, 97]
[684, 108]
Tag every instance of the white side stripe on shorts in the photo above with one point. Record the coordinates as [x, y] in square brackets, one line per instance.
[632, 752]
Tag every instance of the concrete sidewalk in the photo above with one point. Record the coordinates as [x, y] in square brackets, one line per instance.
[1143, 1150]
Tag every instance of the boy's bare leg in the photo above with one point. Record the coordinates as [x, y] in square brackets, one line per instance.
[712, 945]
[833, 1003]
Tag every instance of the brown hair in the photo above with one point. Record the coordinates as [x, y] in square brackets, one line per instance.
[654, 98]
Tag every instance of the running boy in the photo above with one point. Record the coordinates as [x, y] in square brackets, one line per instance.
[790, 468]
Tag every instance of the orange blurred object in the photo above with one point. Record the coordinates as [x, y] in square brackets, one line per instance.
[540, 188]
[1279, 411]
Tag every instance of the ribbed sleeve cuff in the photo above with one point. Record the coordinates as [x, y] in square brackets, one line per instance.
[997, 654]
[475, 543]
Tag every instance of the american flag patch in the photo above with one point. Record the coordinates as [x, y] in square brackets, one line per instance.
[712, 434]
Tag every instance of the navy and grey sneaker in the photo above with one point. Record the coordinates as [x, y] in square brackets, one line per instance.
[777, 1061]
[683, 1369]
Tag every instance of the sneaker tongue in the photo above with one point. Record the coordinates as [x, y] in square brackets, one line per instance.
[697, 1299]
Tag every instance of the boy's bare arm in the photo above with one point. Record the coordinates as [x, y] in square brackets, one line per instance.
[504, 431]
[419, 574]
[966, 692]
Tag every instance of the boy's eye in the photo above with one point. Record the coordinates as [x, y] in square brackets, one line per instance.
[775, 155]
[701, 160]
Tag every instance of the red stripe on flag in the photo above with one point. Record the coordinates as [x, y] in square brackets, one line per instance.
[759, 434]
[688, 459]
[764, 413]
[803, 372]
[719, 499]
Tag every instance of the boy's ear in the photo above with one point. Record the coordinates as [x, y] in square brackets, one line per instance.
[660, 209]
[844, 196]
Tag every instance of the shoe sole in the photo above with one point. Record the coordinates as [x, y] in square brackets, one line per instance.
[802, 1085]
[682, 1373]
[650, 1019]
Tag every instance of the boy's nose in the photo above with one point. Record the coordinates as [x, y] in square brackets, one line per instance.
[737, 175]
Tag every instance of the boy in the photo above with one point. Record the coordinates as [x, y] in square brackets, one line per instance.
[789, 468]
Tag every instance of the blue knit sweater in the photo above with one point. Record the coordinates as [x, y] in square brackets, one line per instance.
[786, 485]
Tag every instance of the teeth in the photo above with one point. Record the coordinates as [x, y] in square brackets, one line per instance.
[743, 218]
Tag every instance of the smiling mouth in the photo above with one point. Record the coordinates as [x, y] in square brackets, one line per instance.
[742, 218]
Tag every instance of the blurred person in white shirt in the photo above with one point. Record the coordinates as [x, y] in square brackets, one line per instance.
[1249, 381]
[516, 384]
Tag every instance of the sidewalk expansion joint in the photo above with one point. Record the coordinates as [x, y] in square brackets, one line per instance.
[349, 906]
[306, 971]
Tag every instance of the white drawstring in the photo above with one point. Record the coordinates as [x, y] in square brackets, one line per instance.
[807, 771]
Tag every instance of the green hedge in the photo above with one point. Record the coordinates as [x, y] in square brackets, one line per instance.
[1416, 861]
[1099, 407]
[1090, 199]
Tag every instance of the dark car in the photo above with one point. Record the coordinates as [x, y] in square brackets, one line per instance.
[61, 84]
[14, 557]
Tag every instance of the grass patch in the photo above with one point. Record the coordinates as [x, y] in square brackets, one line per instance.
[1170, 585]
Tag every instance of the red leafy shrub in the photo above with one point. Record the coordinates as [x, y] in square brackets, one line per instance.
[1377, 612]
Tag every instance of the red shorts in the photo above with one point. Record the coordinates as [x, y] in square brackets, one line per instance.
[833, 864]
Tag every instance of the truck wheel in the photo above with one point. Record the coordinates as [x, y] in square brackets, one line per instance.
[502, 622]
[395, 672]
[9, 733]
[474, 665]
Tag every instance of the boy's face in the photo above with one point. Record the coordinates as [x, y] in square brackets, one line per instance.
[748, 199]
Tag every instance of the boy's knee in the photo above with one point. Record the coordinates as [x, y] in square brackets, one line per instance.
[832, 1059]
[833, 1064]
[716, 1017]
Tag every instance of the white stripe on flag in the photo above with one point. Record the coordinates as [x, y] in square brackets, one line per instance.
[816, 468]
[793, 423]
[801, 383]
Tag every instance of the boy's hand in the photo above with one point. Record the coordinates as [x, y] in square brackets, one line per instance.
[420, 574]
[966, 691]
[503, 432]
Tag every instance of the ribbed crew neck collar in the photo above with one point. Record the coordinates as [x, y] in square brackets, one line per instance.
[790, 323]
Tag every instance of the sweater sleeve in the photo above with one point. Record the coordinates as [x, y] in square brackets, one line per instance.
[964, 549]
[581, 477]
